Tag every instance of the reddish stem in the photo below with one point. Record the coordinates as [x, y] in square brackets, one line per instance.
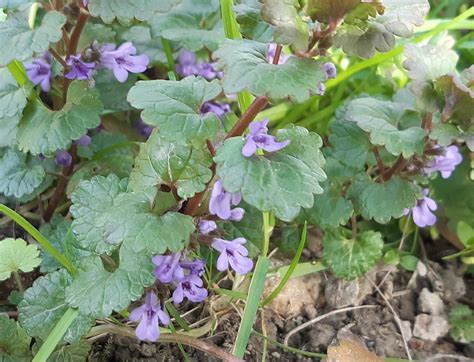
[380, 164]
[276, 58]
[397, 166]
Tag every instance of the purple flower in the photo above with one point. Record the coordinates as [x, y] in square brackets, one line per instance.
[206, 226]
[85, 3]
[123, 60]
[195, 267]
[39, 71]
[271, 54]
[445, 163]
[422, 212]
[233, 253]
[84, 140]
[78, 69]
[330, 70]
[221, 201]
[191, 288]
[237, 214]
[63, 158]
[143, 128]
[219, 109]
[167, 267]
[322, 89]
[149, 314]
[187, 65]
[258, 138]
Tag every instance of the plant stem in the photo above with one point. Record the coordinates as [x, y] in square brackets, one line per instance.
[169, 57]
[18, 282]
[397, 166]
[267, 231]
[380, 164]
[55, 54]
[354, 227]
[257, 105]
[168, 338]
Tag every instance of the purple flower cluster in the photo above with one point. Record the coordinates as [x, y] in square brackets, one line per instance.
[423, 211]
[39, 71]
[79, 69]
[445, 163]
[183, 274]
[331, 72]
[149, 314]
[222, 201]
[187, 65]
[258, 138]
[219, 109]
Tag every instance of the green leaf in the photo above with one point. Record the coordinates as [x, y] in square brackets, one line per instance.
[194, 25]
[350, 144]
[376, 200]
[459, 97]
[13, 4]
[466, 234]
[461, 319]
[76, 352]
[106, 215]
[44, 131]
[326, 10]
[251, 25]
[24, 41]
[98, 292]
[350, 258]
[409, 262]
[113, 94]
[14, 341]
[20, 174]
[399, 19]
[268, 181]
[174, 106]
[163, 162]
[140, 36]
[246, 66]
[290, 28]
[387, 125]
[126, 10]
[96, 32]
[330, 209]
[17, 255]
[44, 304]
[13, 100]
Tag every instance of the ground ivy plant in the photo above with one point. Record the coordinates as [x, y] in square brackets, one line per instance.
[131, 135]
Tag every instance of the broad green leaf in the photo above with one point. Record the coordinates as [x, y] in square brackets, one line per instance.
[23, 41]
[445, 133]
[290, 28]
[98, 292]
[44, 304]
[106, 215]
[246, 66]
[140, 36]
[251, 25]
[330, 209]
[350, 258]
[96, 32]
[386, 123]
[268, 181]
[350, 144]
[76, 352]
[163, 162]
[399, 19]
[113, 94]
[17, 255]
[14, 4]
[14, 341]
[461, 319]
[194, 25]
[466, 234]
[13, 100]
[42, 131]
[174, 106]
[383, 201]
[20, 174]
[458, 91]
[126, 10]
[326, 10]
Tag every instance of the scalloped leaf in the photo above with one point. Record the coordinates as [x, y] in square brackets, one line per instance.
[326, 10]
[348, 258]
[174, 106]
[20, 174]
[17, 255]
[163, 162]
[24, 41]
[126, 10]
[257, 177]
[14, 341]
[42, 131]
[246, 66]
[290, 28]
[376, 200]
[385, 122]
[44, 304]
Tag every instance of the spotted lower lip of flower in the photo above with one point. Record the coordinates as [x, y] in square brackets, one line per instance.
[187, 65]
[167, 267]
[233, 253]
[39, 72]
[422, 211]
[78, 69]
[259, 139]
[190, 287]
[123, 60]
[445, 163]
[149, 315]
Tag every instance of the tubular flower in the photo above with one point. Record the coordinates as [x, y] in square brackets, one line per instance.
[149, 315]
[445, 163]
[39, 72]
[122, 60]
[233, 253]
[422, 211]
[259, 139]
[222, 201]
